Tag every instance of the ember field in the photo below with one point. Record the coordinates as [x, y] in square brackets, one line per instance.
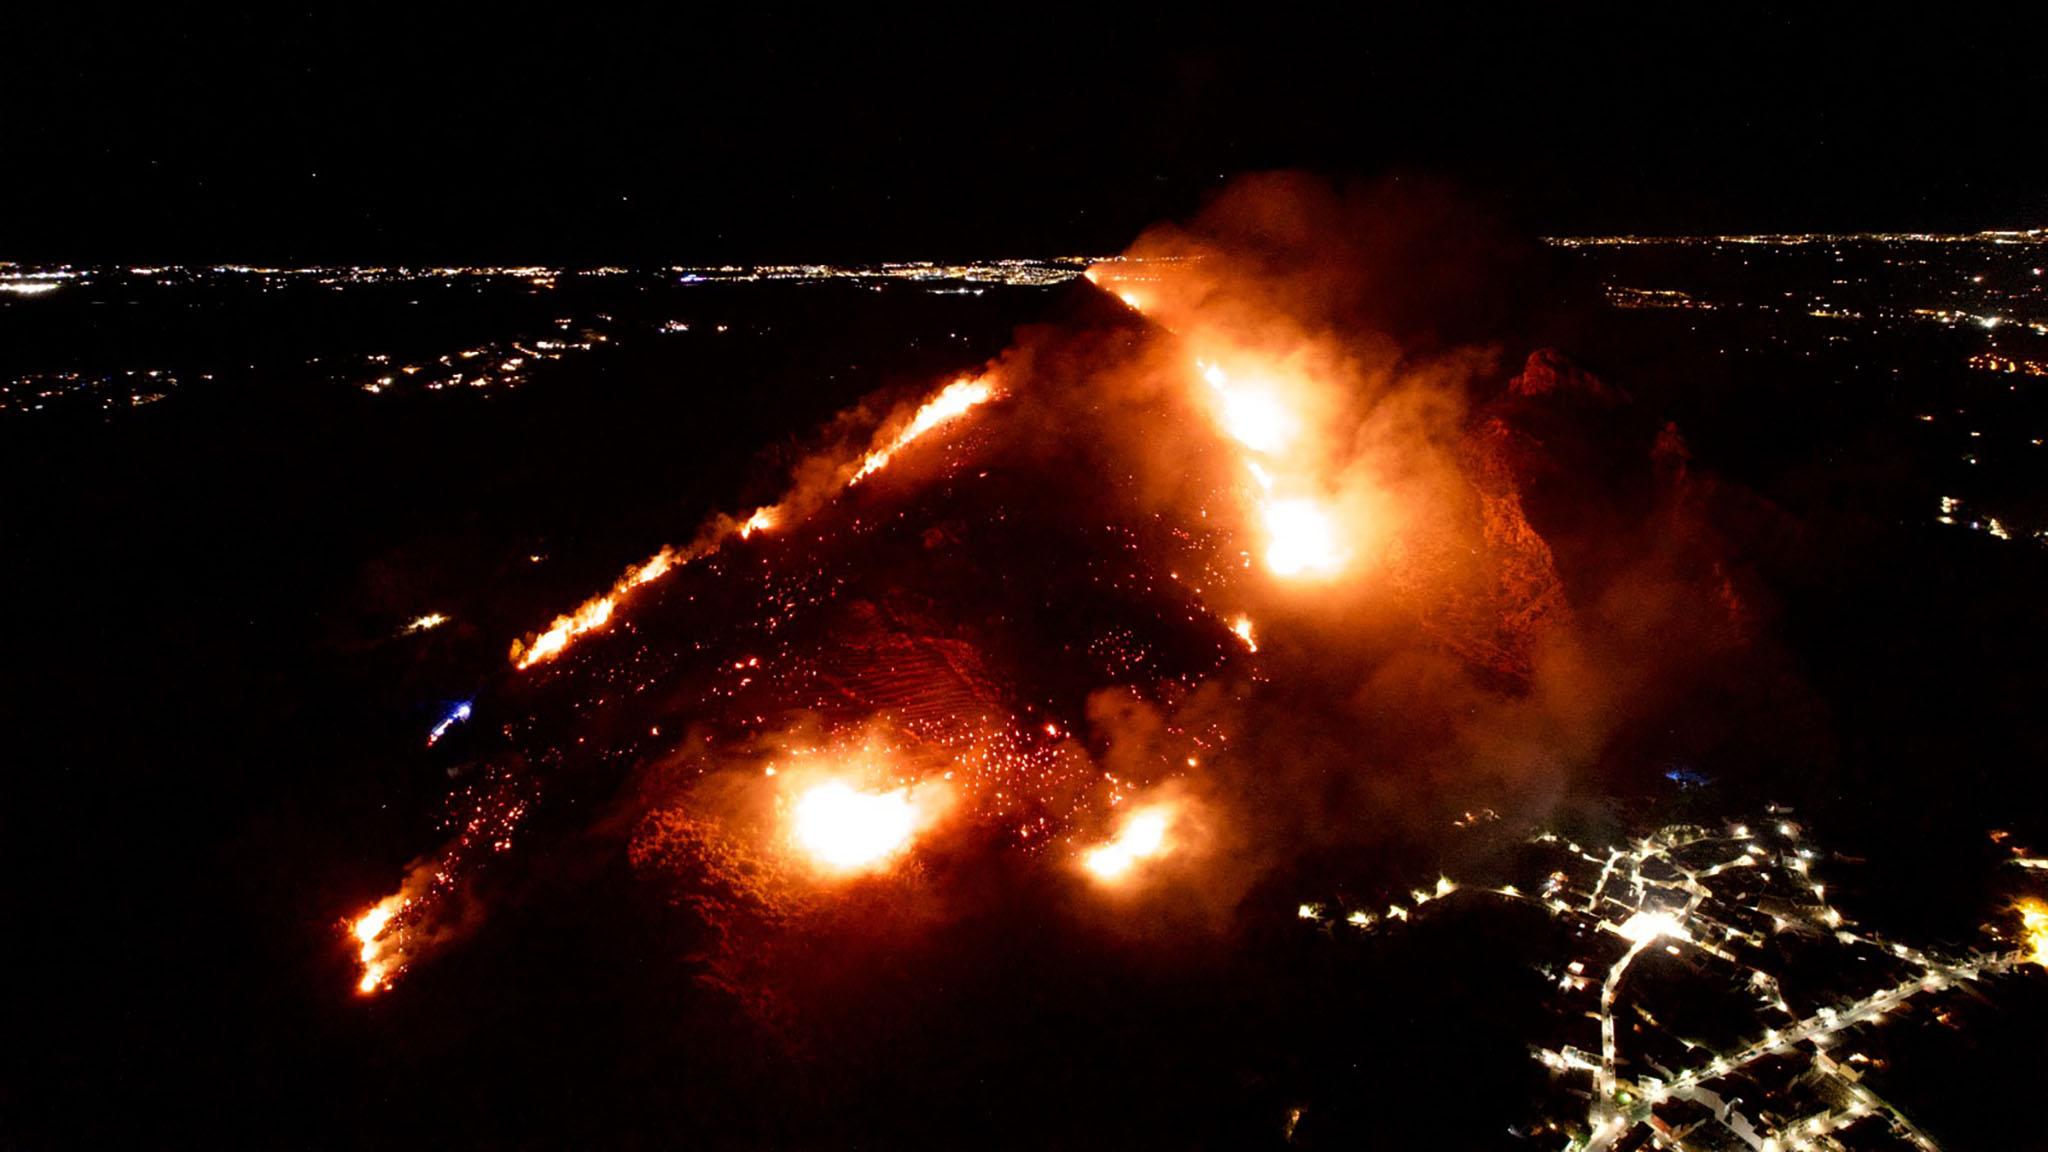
[1004, 705]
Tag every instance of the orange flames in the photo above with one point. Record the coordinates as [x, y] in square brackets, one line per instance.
[1242, 629]
[954, 401]
[1142, 837]
[1301, 537]
[594, 614]
[369, 930]
[2034, 923]
[762, 520]
[844, 829]
[1272, 410]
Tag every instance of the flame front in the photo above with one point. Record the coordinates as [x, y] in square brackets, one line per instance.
[369, 929]
[1301, 538]
[1268, 408]
[1242, 629]
[954, 401]
[594, 614]
[1143, 837]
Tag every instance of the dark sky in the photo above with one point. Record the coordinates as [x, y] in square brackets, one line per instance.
[695, 133]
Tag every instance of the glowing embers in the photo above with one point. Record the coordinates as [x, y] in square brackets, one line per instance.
[953, 402]
[1144, 836]
[2034, 925]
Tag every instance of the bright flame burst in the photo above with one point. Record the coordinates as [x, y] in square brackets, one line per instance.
[1301, 539]
[368, 930]
[761, 521]
[1143, 837]
[423, 623]
[1254, 417]
[847, 830]
[954, 401]
[1242, 629]
[2034, 922]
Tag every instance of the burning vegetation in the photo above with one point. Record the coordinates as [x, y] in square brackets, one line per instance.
[1255, 551]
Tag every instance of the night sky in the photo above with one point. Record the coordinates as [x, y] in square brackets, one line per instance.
[697, 133]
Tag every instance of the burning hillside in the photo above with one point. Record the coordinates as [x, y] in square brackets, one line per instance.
[1249, 556]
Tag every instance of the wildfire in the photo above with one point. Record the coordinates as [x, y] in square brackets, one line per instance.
[761, 521]
[369, 929]
[1300, 539]
[1254, 417]
[2034, 923]
[846, 830]
[594, 613]
[1242, 629]
[1143, 837]
[954, 401]
[422, 623]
